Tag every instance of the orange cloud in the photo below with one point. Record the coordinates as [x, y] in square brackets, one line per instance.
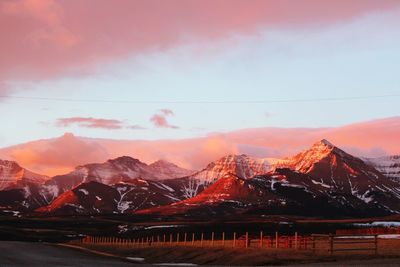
[372, 138]
[55, 155]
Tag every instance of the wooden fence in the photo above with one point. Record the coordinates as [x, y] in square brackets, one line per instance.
[201, 240]
[345, 243]
[321, 243]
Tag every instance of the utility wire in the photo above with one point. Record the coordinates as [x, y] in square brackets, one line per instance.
[299, 100]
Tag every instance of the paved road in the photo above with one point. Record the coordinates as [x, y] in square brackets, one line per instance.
[39, 255]
[21, 254]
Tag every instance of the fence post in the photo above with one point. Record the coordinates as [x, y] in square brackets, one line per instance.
[276, 240]
[212, 239]
[234, 239]
[165, 239]
[193, 239]
[247, 240]
[313, 244]
[201, 240]
[177, 239]
[331, 244]
[295, 240]
[261, 239]
[376, 244]
[223, 239]
[184, 239]
[170, 238]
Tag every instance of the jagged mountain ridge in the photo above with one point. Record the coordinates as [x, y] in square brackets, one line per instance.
[30, 195]
[324, 173]
[118, 170]
[324, 176]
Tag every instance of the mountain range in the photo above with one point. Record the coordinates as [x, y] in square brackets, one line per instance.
[320, 181]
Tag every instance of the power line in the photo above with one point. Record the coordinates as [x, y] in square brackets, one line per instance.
[299, 100]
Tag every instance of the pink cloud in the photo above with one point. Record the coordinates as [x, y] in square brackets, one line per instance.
[42, 39]
[90, 123]
[50, 16]
[160, 119]
[372, 138]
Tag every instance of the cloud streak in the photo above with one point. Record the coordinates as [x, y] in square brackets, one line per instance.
[90, 123]
[99, 123]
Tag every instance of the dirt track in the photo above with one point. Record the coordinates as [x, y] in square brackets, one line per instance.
[37, 254]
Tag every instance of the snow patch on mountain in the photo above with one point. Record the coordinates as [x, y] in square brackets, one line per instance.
[388, 166]
[242, 166]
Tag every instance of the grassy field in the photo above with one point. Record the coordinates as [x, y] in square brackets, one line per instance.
[61, 229]
[64, 229]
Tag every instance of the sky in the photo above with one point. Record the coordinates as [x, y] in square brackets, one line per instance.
[175, 69]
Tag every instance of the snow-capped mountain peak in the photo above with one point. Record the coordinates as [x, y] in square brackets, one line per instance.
[242, 166]
[305, 160]
[126, 162]
[167, 170]
[12, 175]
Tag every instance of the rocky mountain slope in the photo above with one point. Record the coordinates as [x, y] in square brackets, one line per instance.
[388, 166]
[242, 166]
[94, 197]
[13, 176]
[21, 189]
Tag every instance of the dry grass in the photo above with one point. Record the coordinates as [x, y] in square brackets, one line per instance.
[245, 257]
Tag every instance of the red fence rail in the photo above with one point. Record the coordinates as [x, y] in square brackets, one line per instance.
[328, 243]
[369, 231]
